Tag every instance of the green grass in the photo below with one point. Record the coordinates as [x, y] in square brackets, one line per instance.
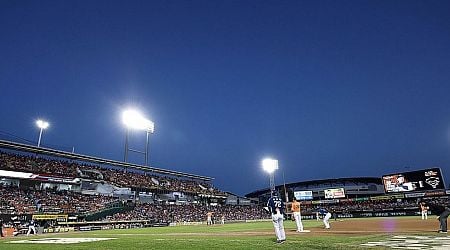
[257, 235]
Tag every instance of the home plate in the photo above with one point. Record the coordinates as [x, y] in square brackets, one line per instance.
[304, 231]
[59, 240]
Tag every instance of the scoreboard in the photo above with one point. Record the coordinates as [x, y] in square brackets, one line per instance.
[421, 180]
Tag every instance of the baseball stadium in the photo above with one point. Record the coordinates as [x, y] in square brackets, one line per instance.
[56, 199]
[224, 124]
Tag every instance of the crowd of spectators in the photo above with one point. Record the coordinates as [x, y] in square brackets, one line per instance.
[363, 206]
[197, 213]
[34, 164]
[18, 201]
[118, 177]
[190, 213]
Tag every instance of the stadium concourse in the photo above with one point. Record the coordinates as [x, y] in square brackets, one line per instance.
[63, 193]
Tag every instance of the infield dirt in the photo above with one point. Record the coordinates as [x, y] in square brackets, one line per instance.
[378, 225]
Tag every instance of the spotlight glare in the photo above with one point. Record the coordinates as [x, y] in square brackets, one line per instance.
[270, 165]
[133, 119]
[42, 124]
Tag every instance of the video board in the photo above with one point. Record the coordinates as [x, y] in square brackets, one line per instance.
[334, 193]
[421, 180]
[303, 195]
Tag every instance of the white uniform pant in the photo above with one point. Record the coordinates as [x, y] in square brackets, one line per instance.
[209, 221]
[298, 221]
[326, 219]
[279, 227]
[31, 228]
[424, 215]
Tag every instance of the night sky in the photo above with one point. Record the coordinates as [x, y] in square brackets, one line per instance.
[329, 88]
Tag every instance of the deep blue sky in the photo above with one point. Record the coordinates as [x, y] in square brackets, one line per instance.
[330, 88]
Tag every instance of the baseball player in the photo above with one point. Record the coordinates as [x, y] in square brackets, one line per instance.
[276, 208]
[326, 217]
[31, 226]
[209, 218]
[295, 207]
[424, 211]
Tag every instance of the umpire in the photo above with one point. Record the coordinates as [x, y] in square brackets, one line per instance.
[442, 212]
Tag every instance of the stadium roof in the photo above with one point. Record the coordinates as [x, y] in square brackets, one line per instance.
[334, 181]
[80, 157]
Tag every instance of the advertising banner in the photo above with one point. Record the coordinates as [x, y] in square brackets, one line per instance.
[303, 195]
[334, 193]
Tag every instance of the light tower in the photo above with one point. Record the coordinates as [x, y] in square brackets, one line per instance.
[270, 165]
[41, 125]
[134, 120]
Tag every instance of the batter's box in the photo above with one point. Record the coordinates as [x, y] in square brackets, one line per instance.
[59, 240]
[412, 242]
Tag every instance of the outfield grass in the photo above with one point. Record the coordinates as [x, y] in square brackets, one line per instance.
[257, 235]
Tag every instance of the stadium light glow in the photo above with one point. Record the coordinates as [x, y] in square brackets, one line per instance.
[270, 165]
[41, 125]
[133, 119]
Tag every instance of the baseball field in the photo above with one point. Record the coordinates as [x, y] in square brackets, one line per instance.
[370, 233]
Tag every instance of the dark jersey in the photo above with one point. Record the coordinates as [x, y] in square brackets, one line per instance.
[323, 211]
[274, 204]
[436, 209]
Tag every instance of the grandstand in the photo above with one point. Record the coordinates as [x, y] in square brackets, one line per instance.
[354, 187]
[83, 192]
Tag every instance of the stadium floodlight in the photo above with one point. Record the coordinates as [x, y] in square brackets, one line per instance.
[41, 125]
[135, 120]
[270, 165]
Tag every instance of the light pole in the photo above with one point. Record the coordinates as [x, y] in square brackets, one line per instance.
[134, 120]
[125, 157]
[285, 191]
[41, 125]
[270, 165]
[146, 145]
